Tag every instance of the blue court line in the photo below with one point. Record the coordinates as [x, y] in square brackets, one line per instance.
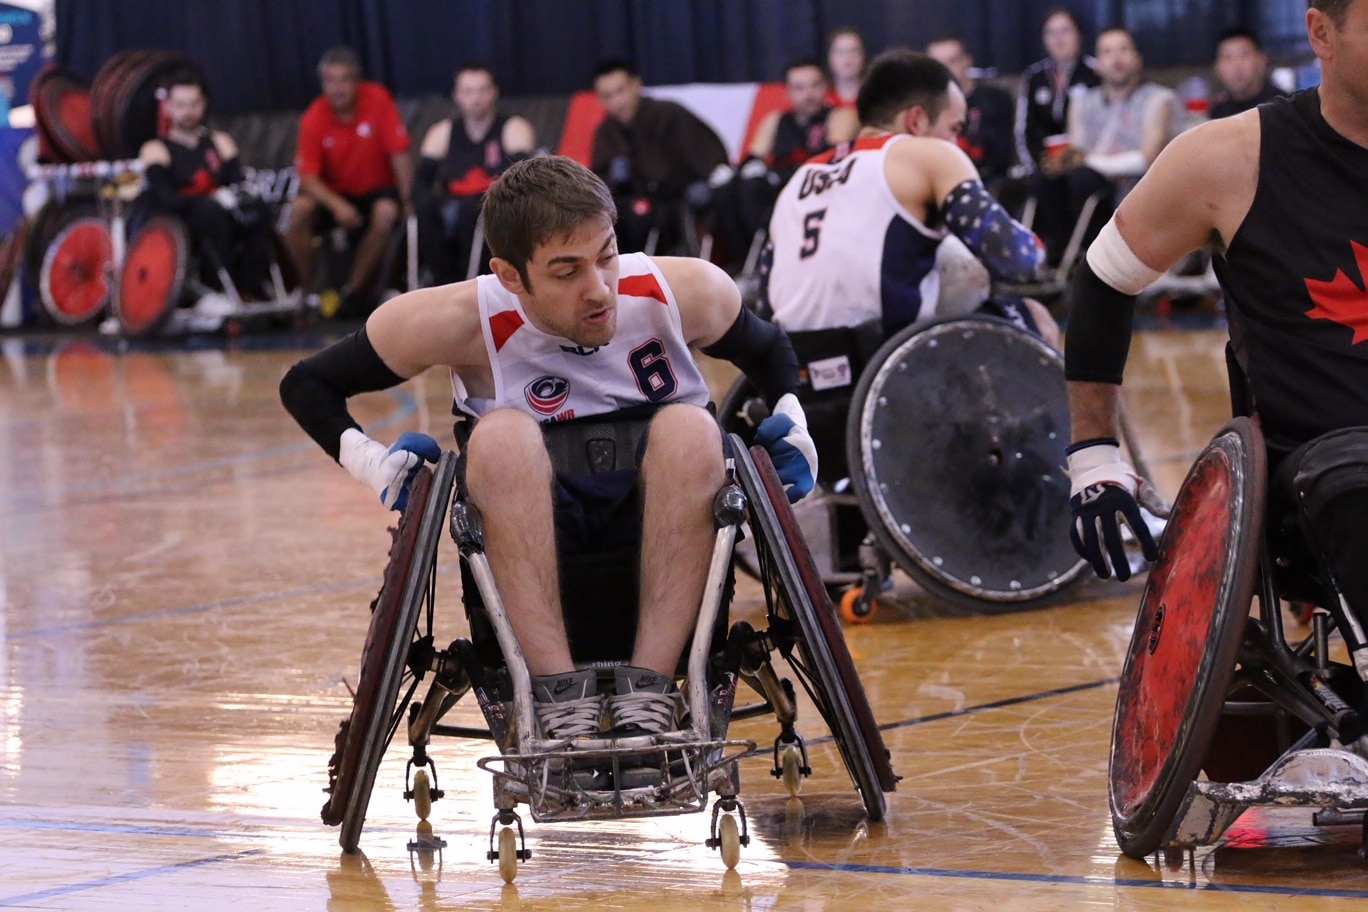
[130, 877]
[407, 405]
[1076, 880]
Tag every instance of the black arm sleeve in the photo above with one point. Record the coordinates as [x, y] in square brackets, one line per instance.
[161, 188]
[231, 172]
[315, 390]
[1099, 333]
[763, 352]
[425, 179]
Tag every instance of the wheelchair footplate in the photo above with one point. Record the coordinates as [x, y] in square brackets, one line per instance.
[548, 778]
[1330, 778]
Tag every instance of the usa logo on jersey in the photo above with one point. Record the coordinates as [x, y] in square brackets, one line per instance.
[547, 394]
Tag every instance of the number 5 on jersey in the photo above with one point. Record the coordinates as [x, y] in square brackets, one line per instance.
[812, 233]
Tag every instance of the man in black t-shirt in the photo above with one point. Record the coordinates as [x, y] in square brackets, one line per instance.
[1288, 226]
[1242, 70]
[461, 156]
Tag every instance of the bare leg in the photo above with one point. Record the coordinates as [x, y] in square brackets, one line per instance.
[681, 473]
[508, 474]
[299, 236]
[384, 216]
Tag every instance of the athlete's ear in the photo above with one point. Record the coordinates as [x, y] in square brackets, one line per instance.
[508, 276]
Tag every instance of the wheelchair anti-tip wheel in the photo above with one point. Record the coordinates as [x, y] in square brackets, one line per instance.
[956, 441]
[804, 626]
[153, 275]
[378, 707]
[1187, 637]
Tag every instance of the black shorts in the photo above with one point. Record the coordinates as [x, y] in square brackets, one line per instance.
[365, 204]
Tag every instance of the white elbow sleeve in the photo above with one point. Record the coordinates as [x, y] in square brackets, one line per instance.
[1115, 263]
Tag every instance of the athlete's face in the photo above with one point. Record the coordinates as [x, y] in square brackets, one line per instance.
[1061, 38]
[807, 88]
[1343, 51]
[572, 281]
[1240, 66]
[185, 107]
[1118, 61]
[475, 94]
[949, 123]
[340, 82]
[620, 93]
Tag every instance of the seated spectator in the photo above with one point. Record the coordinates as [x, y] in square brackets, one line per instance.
[1116, 130]
[190, 172]
[846, 66]
[1242, 71]
[782, 141]
[461, 156]
[987, 137]
[1047, 85]
[354, 174]
[656, 156]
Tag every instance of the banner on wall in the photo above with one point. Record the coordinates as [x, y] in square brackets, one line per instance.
[25, 46]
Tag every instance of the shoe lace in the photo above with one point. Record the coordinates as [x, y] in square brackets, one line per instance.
[571, 718]
[652, 712]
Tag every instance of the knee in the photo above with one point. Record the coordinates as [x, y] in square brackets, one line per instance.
[384, 215]
[687, 439]
[506, 443]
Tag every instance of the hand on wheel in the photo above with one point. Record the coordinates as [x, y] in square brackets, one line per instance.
[1103, 497]
[388, 472]
[784, 435]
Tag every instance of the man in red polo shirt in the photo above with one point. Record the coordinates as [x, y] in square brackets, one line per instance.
[354, 173]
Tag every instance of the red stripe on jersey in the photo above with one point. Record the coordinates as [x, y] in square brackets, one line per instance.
[641, 286]
[847, 147]
[504, 324]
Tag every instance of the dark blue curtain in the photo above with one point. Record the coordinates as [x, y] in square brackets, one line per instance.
[260, 55]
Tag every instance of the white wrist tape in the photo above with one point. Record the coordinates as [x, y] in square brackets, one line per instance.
[1100, 464]
[1115, 263]
[362, 457]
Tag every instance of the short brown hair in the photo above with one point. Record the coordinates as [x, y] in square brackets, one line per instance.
[1335, 9]
[539, 199]
[899, 79]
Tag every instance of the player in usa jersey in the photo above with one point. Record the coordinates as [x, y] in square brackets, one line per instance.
[565, 328]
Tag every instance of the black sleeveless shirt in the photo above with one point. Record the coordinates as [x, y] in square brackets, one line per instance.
[197, 169]
[472, 165]
[795, 143]
[1294, 277]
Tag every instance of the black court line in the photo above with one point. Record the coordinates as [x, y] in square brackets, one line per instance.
[1076, 880]
[130, 877]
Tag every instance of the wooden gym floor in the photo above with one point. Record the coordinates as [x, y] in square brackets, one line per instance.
[184, 581]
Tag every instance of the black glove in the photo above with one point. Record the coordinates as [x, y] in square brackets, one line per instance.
[1104, 497]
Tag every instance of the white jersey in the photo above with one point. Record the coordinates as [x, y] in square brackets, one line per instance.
[845, 251]
[553, 379]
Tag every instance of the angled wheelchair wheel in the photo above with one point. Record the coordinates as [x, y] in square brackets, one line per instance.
[74, 279]
[805, 628]
[956, 441]
[153, 275]
[387, 683]
[1187, 637]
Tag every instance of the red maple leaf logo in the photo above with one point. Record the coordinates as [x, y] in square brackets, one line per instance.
[1342, 299]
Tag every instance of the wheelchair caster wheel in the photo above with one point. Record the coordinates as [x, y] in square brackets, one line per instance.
[793, 770]
[729, 841]
[856, 607]
[508, 854]
[422, 794]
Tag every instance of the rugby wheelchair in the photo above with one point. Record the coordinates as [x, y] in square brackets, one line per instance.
[401, 653]
[1219, 709]
[940, 450]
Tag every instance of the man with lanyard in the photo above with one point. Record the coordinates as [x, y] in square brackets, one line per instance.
[354, 173]
[568, 328]
[190, 171]
[461, 156]
[1277, 193]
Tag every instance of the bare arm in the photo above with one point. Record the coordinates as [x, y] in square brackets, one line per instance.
[842, 124]
[436, 140]
[227, 148]
[762, 143]
[922, 171]
[312, 185]
[403, 177]
[708, 298]
[518, 137]
[429, 327]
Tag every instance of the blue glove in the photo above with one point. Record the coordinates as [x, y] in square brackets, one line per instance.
[784, 435]
[388, 472]
[1104, 496]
